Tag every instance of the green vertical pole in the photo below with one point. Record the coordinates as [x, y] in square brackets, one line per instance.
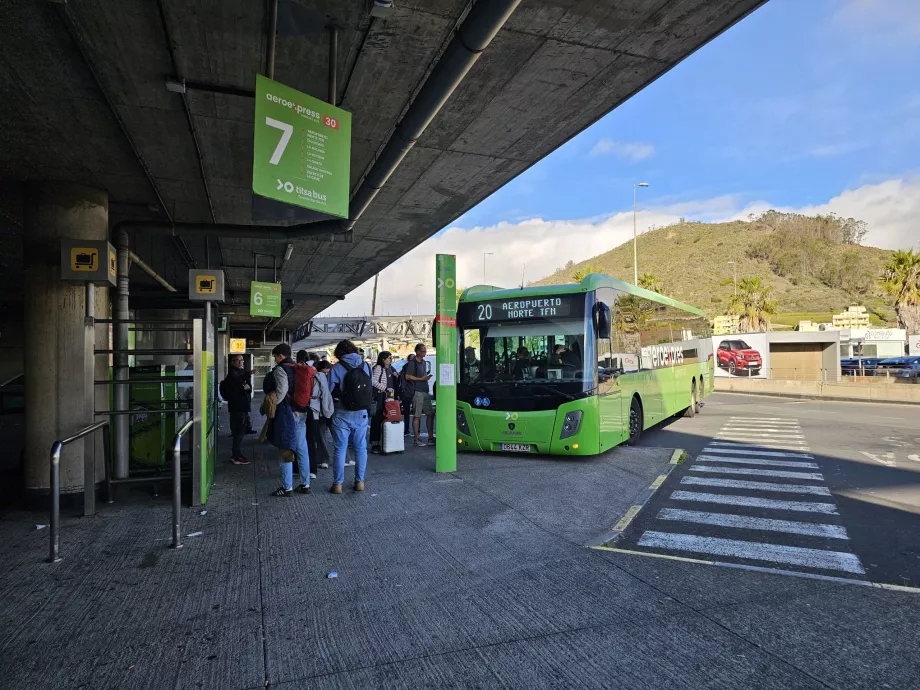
[446, 345]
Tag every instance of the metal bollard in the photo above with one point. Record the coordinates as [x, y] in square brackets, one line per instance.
[177, 485]
[55, 541]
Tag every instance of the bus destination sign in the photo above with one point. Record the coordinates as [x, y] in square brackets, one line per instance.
[522, 309]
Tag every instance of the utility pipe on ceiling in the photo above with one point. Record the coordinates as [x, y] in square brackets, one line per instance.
[481, 25]
[149, 271]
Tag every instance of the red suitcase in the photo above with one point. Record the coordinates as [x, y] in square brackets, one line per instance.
[392, 412]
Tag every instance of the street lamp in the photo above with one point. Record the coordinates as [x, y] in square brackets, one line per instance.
[484, 255]
[416, 298]
[734, 278]
[635, 235]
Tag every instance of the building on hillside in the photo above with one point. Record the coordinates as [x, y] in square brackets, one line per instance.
[726, 324]
[809, 326]
[853, 317]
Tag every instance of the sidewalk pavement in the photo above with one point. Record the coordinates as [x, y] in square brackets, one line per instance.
[475, 579]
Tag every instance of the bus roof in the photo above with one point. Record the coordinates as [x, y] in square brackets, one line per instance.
[592, 281]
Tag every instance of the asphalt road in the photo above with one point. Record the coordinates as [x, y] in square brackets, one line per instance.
[830, 488]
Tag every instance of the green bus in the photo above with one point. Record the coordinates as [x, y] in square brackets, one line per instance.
[575, 369]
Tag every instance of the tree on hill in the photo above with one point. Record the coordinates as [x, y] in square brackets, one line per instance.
[580, 274]
[754, 303]
[901, 281]
[650, 281]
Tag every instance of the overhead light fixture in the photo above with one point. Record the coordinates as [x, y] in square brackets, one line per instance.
[175, 86]
[288, 252]
[381, 8]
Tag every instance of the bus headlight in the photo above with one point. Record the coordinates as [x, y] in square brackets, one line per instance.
[462, 426]
[571, 423]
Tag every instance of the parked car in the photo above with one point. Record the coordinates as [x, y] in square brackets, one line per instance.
[853, 366]
[901, 367]
[738, 357]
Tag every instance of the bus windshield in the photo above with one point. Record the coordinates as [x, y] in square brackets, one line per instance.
[532, 352]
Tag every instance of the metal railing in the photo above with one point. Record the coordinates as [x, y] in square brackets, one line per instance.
[177, 484]
[54, 554]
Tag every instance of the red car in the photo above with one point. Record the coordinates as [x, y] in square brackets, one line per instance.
[737, 356]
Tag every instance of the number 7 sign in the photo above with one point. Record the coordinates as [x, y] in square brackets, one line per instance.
[301, 149]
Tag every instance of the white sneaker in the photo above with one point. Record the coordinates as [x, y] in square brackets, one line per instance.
[349, 463]
[312, 476]
[324, 465]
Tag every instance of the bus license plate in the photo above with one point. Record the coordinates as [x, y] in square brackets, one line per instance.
[516, 447]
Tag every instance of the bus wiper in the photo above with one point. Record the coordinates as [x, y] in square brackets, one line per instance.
[550, 389]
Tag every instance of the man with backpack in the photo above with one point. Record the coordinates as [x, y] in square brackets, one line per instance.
[417, 375]
[284, 387]
[350, 383]
[235, 389]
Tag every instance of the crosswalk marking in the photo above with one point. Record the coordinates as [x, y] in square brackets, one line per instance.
[747, 450]
[779, 420]
[757, 461]
[775, 430]
[780, 474]
[723, 504]
[753, 502]
[755, 523]
[778, 553]
[755, 486]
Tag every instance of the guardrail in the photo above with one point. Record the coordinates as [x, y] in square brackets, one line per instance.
[177, 484]
[54, 554]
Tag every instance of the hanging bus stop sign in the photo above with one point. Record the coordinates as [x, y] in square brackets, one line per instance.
[301, 149]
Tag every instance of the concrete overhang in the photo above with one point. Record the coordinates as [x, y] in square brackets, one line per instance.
[84, 98]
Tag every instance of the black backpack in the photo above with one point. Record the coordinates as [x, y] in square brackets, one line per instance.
[356, 389]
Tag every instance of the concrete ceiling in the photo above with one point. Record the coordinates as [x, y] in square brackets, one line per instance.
[83, 98]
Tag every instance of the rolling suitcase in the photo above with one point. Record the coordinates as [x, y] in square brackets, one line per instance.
[392, 438]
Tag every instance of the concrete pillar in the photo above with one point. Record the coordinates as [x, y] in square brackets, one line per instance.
[58, 362]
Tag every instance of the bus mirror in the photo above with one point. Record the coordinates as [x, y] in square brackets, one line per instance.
[602, 321]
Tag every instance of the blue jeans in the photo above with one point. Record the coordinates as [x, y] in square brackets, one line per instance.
[349, 425]
[302, 453]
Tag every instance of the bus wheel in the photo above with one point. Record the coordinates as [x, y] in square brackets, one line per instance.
[635, 422]
[691, 411]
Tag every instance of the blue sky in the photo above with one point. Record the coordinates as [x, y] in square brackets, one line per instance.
[799, 101]
[805, 105]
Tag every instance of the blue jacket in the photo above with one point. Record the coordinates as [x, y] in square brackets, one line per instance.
[281, 431]
[338, 372]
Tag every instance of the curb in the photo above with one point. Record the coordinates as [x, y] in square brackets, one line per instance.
[608, 538]
[829, 398]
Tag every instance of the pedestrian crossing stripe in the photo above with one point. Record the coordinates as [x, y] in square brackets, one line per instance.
[751, 472]
[756, 461]
[753, 523]
[755, 502]
[749, 450]
[842, 561]
[755, 486]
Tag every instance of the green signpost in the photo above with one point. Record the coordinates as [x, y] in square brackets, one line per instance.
[301, 149]
[446, 346]
[264, 299]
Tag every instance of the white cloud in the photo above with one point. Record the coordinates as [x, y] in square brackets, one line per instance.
[887, 19]
[630, 150]
[891, 209]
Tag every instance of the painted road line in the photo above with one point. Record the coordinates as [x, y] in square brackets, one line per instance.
[753, 450]
[756, 523]
[780, 474]
[781, 420]
[774, 430]
[761, 569]
[752, 502]
[755, 486]
[773, 553]
[746, 435]
[758, 461]
[770, 429]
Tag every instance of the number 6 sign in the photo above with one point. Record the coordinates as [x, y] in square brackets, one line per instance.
[301, 149]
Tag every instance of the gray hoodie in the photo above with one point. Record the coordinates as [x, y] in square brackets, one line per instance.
[321, 401]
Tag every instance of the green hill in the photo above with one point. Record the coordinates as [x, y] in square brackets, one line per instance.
[813, 263]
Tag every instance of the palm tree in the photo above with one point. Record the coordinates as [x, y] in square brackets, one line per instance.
[580, 274]
[901, 280]
[650, 281]
[754, 303]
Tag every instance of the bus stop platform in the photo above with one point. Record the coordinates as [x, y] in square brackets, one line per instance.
[474, 579]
